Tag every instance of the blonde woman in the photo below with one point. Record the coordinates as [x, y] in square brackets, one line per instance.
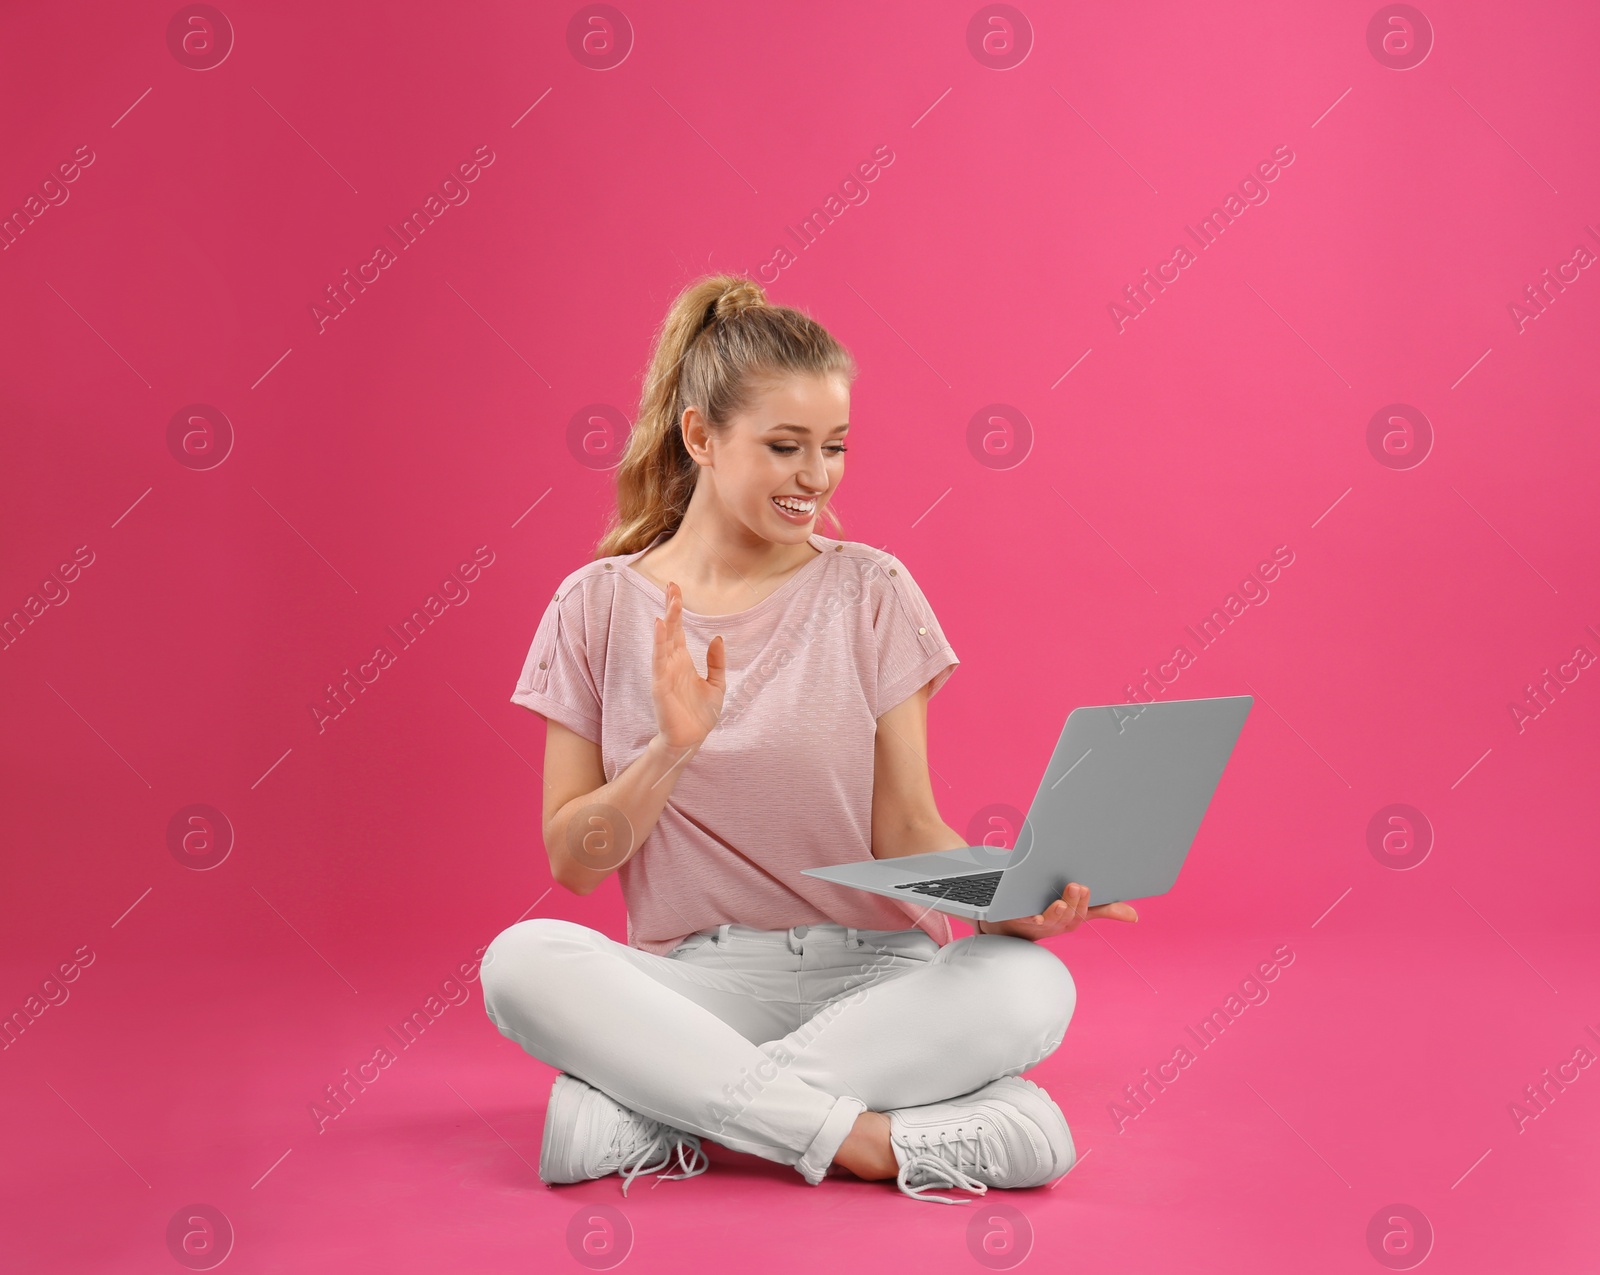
[776, 1014]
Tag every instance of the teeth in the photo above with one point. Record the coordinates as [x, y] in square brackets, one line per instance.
[795, 506]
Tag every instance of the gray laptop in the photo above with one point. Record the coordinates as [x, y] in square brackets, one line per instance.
[1117, 811]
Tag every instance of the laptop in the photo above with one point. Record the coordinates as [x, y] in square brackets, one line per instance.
[1117, 811]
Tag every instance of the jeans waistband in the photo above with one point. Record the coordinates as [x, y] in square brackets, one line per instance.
[797, 938]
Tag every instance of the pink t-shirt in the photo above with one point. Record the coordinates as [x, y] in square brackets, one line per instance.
[784, 780]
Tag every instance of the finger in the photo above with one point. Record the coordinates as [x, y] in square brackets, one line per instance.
[664, 644]
[675, 619]
[717, 662]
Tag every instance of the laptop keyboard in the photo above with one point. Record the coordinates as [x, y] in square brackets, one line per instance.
[976, 888]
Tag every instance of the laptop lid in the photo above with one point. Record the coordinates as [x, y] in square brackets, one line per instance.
[1120, 802]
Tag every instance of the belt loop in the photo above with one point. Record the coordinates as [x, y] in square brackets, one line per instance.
[722, 933]
[850, 938]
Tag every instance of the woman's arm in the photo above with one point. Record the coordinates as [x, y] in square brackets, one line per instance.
[592, 827]
[905, 817]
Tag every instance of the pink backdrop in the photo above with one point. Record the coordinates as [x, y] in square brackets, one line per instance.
[260, 487]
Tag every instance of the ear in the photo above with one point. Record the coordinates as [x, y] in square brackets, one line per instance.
[696, 436]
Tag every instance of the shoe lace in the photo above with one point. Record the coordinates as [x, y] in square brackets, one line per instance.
[942, 1160]
[639, 1145]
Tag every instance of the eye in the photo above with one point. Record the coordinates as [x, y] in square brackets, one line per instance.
[838, 449]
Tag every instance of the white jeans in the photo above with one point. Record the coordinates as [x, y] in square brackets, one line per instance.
[772, 1042]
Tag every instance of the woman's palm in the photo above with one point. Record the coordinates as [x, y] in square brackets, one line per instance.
[687, 705]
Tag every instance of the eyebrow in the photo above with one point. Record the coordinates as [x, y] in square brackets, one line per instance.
[801, 429]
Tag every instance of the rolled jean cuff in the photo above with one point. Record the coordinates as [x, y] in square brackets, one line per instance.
[835, 1129]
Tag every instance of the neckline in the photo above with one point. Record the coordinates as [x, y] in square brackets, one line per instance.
[660, 594]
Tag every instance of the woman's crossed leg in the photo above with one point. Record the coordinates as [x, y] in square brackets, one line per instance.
[773, 1052]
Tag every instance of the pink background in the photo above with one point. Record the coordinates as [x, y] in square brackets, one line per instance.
[1144, 475]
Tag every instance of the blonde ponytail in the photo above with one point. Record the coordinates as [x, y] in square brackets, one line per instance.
[720, 340]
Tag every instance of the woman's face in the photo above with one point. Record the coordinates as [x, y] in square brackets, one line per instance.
[789, 446]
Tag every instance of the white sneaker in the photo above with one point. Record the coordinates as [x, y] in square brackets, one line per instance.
[588, 1134]
[1010, 1133]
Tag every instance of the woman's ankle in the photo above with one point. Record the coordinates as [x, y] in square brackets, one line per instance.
[866, 1150]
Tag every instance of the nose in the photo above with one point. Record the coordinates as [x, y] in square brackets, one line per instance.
[814, 476]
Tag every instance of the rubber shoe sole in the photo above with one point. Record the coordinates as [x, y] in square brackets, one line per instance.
[1034, 1104]
[569, 1122]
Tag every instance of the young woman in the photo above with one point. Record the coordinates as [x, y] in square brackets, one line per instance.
[776, 1014]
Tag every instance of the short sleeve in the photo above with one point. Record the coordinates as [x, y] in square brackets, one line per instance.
[912, 648]
[556, 681]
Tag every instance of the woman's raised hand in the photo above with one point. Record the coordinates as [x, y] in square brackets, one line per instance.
[687, 705]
